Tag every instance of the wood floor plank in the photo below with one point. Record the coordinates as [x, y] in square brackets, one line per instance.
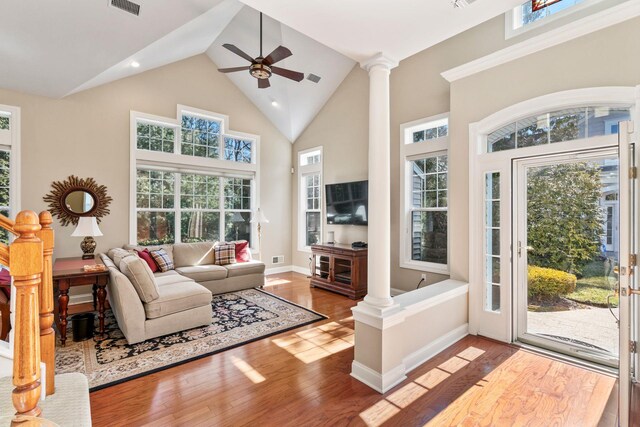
[303, 380]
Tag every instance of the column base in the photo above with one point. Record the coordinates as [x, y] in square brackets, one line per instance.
[380, 317]
[379, 302]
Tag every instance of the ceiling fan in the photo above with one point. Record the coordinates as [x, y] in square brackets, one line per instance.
[262, 68]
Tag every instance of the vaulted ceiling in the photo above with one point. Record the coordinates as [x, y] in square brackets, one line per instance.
[57, 48]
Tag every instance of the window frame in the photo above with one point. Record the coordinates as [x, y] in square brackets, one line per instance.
[184, 164]
[303, 172]
[10, 141]
[510, 16]
[410, 151]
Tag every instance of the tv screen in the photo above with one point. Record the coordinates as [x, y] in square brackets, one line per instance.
[347, 203]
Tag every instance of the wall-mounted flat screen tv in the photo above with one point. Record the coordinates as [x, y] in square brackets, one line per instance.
[347, 203]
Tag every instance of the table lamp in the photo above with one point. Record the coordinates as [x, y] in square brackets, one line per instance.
[87, 228]
[259, 218]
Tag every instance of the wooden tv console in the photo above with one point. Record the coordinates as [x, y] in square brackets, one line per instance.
[340, 268]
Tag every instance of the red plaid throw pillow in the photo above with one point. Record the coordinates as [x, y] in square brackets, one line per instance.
[225, 253]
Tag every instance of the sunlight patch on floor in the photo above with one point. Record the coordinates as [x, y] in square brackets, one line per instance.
[317, 343]
[276, 281]
[248, 370]
[392, 404]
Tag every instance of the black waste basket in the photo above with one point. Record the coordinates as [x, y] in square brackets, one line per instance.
[82, 325]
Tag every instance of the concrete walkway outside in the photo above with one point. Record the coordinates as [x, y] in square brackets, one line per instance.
[594, 326]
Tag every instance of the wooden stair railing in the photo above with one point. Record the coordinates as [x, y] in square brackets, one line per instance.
[47, 334]
[25, 260]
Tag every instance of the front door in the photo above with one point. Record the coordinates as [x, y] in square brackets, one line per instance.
[566, 262]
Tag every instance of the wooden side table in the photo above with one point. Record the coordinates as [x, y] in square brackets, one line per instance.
[69, 272]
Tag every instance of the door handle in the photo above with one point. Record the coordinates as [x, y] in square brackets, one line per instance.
[520, 248]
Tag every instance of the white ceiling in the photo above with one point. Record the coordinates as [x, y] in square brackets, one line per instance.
[360, 29]
[297, 103]
[56, 48]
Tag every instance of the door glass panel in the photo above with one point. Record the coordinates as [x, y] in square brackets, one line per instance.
[492, 241]
[571, 256]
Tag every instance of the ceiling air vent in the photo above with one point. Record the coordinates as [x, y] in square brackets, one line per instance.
[126, 5]
[313, 78]
[461, 3]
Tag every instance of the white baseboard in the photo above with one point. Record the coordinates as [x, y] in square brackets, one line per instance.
[302, 270]
[377, 381]
[420, 356]
[80, 299]
[287, 269]
[278, 270]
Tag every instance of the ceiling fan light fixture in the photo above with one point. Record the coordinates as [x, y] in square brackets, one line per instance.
[260, 71]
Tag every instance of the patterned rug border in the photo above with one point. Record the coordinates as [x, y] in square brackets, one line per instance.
[201, 356]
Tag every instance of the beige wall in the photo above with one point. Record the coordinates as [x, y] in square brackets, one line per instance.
[87, 134]
[418, 90]
[610, 57]
[342, 129]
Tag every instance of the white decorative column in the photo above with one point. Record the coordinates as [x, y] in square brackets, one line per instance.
[379, 265]
[377, 361]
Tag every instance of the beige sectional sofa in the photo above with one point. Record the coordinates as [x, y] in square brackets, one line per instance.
[147, 305]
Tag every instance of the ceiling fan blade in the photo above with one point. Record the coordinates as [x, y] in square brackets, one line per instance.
[232, 70]
[278, 54]
[293, 75]
[238, 52]
[263, 83]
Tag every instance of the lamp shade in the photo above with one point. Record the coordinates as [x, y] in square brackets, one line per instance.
[87, 226]
[259, 217]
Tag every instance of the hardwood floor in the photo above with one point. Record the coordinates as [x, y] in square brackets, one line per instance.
[301, 378]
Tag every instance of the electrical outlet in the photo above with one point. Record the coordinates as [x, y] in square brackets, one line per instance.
[423, 276]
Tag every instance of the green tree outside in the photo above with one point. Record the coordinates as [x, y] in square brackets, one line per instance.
[564, 218]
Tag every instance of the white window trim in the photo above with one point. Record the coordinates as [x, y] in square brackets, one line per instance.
[303, 171]
[409, 151]
[511, 15]
[11, 140]
[499, 325]
[179, 163]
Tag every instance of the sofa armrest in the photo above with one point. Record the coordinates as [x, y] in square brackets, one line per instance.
[126, 306]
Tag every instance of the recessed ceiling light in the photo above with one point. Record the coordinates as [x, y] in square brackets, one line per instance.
[274, 103]
[135, 64]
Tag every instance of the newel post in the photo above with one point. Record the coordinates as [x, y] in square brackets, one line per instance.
[47, 334]
[25, 265]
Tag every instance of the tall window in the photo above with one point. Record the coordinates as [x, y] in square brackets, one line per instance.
[9, 164]
[425, 194]
[310, 200]
[194, 179]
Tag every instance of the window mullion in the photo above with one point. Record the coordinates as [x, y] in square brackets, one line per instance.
[177, 189]
[223, 210]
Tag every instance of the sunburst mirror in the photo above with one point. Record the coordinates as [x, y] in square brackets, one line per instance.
[75, 197]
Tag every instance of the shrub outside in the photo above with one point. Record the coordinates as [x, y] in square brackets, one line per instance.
[547, 284]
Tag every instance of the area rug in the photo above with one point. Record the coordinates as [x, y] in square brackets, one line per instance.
[238, 318]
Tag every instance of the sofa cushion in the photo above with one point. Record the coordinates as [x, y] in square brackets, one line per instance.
[171, 280]
[178, 297]
[167, 248]
[244, 268]
[203, 273]
[225, 253]
[188, 254]
[141, 277]
[162, 259]
[116, 254]
[159, 274]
